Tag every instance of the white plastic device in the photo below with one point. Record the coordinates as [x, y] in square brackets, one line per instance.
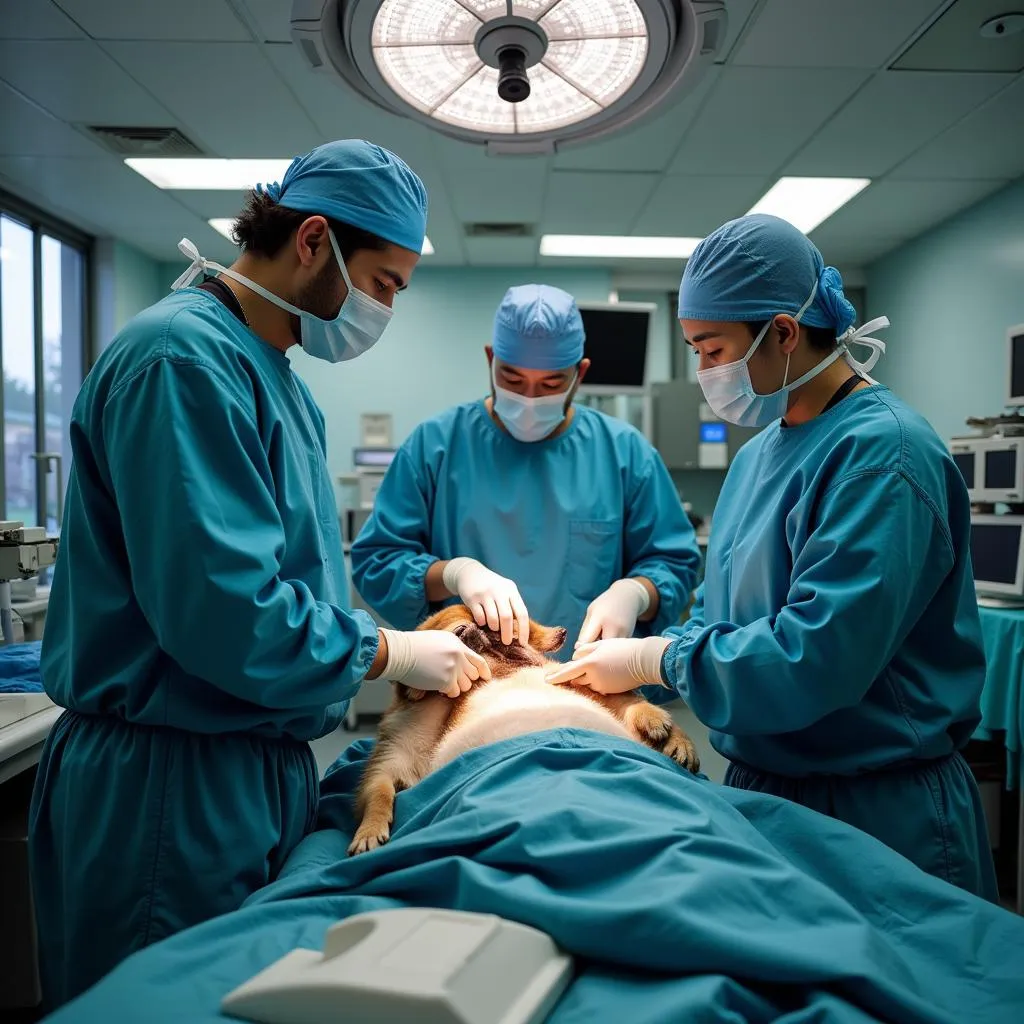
[411, 964]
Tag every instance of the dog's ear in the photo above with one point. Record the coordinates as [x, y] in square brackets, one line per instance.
[546, 638]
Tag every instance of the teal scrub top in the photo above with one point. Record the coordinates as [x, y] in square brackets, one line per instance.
[837, 627]
[201, 581]
[563, 518]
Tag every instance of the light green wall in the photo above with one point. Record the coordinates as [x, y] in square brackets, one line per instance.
[951, 294]
[432, 354]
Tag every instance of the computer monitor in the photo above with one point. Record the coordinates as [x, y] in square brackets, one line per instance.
[997, 555]
[993, 467]
[372, 458]
[618, 336]
[1015, 345]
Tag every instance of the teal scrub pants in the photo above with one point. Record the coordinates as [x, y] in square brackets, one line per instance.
[929, 812]
[136, 833]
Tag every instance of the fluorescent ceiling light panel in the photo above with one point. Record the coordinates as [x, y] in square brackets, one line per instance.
[207, 174]
[808, 202]
[223, 226]
[628, 247]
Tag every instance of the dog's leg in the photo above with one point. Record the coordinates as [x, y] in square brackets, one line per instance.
[651, 725]
[409, 733]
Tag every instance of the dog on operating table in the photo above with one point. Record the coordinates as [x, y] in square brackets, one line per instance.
[421, 731]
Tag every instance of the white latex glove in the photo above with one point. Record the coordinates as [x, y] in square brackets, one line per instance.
[493, 600]
[614, 613]
[614, 666]
[432, 659]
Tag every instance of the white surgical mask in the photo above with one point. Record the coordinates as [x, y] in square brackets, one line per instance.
[529, 419]
[730, 392]
[357, 327]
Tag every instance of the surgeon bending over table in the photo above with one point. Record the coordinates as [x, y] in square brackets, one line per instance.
[526, 504]
[834, 648]
[199, 630]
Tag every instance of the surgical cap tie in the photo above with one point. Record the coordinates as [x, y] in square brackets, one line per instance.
[272, 190]
[199, 265]
[860, 336]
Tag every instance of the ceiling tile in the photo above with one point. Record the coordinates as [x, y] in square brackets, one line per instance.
[581, 202]
[988, 143]
[245, 110]
[648, 147]
[272, 18]
[856, 252]
[954, 42]
[39, 19]
[30, 131]
[208, 20]
[502, 252]
[694, 205]
[104, 197]
[756, 118]
[340, 113]
[898, 210]
[488, 188]
[832, 33]
[894, 114]
[77, 81]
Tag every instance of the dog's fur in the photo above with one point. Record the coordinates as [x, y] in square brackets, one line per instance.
[421, 731]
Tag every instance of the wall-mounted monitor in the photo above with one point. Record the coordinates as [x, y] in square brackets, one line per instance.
[993, 467]
[617, 340]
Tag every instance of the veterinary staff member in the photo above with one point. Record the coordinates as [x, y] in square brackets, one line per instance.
[524, 504]
[199, 632]
[834, 648]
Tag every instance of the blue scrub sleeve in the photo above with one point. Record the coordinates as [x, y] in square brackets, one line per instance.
[660, 543]
[860, 581]
[694, 624]
[391, 555]
[204, 539]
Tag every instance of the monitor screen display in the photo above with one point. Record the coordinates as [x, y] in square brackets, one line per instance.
[1017, 366]
[616, 346]
[994, 551]
[713, 433]
[377, 458]
[1001, 468]
[965, 463]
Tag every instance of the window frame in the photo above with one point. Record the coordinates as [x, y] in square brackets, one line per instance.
[41, 223]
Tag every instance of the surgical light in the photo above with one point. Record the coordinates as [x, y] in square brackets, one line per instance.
[517, 75]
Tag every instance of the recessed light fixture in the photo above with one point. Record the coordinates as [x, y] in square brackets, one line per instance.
[657, 247]
[206, 173]
[517, 75]
[223, 226]
[808, 202]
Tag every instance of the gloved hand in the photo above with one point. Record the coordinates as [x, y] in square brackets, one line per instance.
[493, 600]
[432, 659]
[614, 666]
[614, 613]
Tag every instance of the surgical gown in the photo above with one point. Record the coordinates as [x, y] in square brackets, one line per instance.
[197, 633]
[834, 648]
[563, 518]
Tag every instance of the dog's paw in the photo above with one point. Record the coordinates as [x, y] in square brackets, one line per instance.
[651, 724]
[369, 837]
[681, 749]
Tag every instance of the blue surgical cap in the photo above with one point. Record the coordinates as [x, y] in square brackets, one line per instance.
[360, 184]
[754, 268]
[538, 328]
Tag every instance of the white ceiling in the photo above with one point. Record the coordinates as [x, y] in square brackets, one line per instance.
[803, 87]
